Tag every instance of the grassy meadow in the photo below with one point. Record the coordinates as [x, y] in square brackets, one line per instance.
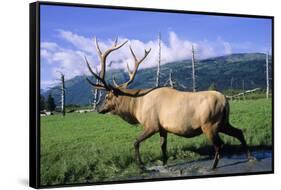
[91, 147]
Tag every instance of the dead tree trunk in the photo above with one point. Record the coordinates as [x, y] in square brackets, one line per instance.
[159, 62]
[267, 77]
[97, 94]
[172, 82]
[170, 79]
[193, 70]
[97, 97]
[62, 95]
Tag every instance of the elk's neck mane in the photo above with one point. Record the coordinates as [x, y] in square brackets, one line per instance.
[135, 92]
[128, 101]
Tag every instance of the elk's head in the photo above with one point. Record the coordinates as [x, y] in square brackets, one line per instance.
[111, 100]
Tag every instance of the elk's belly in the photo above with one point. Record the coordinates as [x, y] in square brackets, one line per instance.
[185, 131]
[191, 132]
[181, 122]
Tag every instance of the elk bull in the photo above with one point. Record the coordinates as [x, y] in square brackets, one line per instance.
[166, 110]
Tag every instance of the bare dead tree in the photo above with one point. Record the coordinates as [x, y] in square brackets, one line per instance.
[170, 79]
[97, 93]
[170, 82]
[193, 70]
[159, 61]
[267, 77]
[97, 96]
[62, 89]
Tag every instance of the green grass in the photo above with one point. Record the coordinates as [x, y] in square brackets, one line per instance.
[92, 147]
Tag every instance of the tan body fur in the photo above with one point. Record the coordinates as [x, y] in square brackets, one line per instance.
[166, 110]
[180, 113]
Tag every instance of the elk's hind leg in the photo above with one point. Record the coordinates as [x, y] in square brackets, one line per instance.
[163, 142]
[217, 142]
[237, 133]
[144, 135]
[215, 139]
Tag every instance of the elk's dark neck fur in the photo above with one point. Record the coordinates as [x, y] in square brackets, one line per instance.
[134, 92]
[127, 103]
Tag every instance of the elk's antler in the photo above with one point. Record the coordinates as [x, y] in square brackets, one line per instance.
[102, 57]
[132, 74]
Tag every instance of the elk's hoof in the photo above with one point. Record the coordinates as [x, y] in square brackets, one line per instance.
[213, 168]
[252, 158]
[142, 167]
[140, 164]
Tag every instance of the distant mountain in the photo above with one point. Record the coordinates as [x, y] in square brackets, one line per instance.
[249, 67]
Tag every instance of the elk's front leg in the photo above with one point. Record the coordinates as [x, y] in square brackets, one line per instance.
[144, 135]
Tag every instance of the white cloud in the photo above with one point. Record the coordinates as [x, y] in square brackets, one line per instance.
[48, 84]
[226, 45]
[80, 42]
[227, 48]
[71, 61]
[205, 49]
[50, 46]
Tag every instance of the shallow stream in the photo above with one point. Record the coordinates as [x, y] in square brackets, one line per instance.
[233, 164]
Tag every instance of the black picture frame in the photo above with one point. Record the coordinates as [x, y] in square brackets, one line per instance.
[34, 90]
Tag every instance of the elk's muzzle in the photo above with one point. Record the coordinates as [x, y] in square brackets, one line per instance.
[102, 108]
[102, 111]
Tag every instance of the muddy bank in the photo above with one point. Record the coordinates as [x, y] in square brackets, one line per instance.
[227, 165]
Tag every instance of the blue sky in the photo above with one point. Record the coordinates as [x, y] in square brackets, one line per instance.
[67, 35]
